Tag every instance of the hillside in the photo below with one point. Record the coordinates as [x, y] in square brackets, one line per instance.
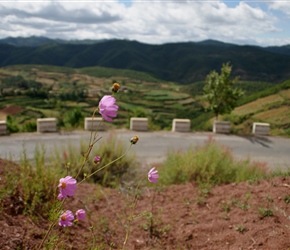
[71, 94]
[44, 91]
[184, 63]
[271, 105]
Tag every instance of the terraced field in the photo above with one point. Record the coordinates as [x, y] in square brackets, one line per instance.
[160, 101]
[72, 94]
[273, 109]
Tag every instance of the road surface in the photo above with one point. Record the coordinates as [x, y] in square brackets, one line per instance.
[153, 147]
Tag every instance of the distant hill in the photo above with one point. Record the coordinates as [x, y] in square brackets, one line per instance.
[179, 62]
[284, 50]
[34, 41]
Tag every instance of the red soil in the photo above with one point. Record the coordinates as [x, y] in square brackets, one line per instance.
[178, 217]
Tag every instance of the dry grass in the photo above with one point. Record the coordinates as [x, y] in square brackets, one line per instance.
[278, 116]
[257, 105]
[285, 93]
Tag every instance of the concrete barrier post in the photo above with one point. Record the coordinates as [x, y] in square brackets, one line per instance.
[93, 124]
[3, 128]
[221, 127]
[181, 125]
[46, 125]
[261, 128]
[139, 124]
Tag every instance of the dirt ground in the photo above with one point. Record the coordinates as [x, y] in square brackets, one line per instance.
[248, 215]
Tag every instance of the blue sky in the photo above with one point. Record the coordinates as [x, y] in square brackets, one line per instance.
[263, 23]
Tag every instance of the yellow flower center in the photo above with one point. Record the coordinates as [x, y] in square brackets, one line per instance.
[63, 217]
[63, 185]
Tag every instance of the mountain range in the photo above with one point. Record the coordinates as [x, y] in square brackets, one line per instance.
[184, 62]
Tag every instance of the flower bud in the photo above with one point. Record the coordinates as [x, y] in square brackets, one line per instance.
[115, 87]
[97, 159]
[134, 139]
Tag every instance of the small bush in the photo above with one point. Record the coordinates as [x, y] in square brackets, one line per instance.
[12, 126]
[211, 164]
[119, 170]
[29, 127]
[73, 118]
[72, 158]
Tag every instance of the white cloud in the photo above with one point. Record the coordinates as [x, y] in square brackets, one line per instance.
[75, 12]
[283, 6]
[146, 21]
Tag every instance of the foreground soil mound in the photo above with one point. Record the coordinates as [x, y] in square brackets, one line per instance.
[249, 215]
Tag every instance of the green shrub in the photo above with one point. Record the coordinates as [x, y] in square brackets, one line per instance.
[72, 157]
[210, 164]
[29, 127]
[73, 118]
[109, 151]
[12, 126]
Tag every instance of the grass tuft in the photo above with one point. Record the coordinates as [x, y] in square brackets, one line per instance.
[210, 164]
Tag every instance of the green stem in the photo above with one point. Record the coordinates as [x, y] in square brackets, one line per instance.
[131, 217]
[50, 228]
[93, 140]
[46, 235]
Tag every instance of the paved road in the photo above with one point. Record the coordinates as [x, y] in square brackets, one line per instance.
[153, 146]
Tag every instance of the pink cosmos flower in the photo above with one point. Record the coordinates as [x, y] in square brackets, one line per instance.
[108, 108]
[80, 214]
[67, 187]
[65, 220]
[153, 175]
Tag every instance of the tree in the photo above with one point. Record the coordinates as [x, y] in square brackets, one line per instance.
[219, 91]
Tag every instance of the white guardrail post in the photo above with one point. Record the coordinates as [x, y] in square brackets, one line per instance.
[139, 124]
[221, 127]
[92, 124]
[261, 128]
[46, 125]
[181, 125]
[3, 128]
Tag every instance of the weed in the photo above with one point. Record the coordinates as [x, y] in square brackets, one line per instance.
[242, 204]
[241, 228]
[200, 200]
[287, 199]
[187, 202]
[225, 216]
[203, 192]
[269, 199]
[225, 206]
[265, 212]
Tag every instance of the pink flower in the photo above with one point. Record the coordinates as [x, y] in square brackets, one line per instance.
[153, 175]
[108, 108]
[97, 159]
[66, 219]
[67, 187]
[80, 214]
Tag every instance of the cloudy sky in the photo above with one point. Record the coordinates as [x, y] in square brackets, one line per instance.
[262, 22]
